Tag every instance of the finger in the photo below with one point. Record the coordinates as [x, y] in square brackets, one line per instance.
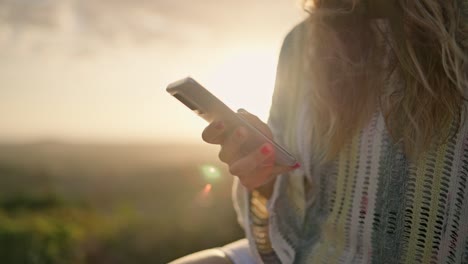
[263, 156]
[254, 171]
[231, 148]
[248, 115]
[259, 177]
[214, 132]
[283, 169]
[263, 175]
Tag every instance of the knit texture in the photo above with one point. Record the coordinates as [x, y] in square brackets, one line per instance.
[370, 205]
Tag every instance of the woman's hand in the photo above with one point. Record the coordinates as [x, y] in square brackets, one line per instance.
[256, 169]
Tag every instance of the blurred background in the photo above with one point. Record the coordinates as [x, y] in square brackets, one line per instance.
[98, 164]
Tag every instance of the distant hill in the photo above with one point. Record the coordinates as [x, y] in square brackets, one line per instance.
[130, 154]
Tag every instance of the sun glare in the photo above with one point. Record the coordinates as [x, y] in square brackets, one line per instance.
[245, 80]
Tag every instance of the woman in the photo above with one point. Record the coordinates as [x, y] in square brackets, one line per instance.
[370, 97]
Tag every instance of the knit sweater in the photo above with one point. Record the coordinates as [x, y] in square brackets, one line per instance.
[370, 205]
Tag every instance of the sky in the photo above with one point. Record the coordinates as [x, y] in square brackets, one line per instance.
[96, 71]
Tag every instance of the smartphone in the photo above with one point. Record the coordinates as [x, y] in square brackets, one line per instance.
[209, 107]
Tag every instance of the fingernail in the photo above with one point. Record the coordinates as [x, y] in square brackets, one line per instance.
[241, 110]
[296, 166]
[266, 150]
[219, 125]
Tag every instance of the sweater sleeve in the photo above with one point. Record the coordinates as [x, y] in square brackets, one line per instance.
[251, 207]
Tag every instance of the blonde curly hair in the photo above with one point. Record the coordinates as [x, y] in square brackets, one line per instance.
[354, 48]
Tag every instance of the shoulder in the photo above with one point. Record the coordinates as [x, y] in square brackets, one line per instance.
[295, 36]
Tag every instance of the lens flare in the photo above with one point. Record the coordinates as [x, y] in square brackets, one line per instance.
[210, 173]
[207, 189]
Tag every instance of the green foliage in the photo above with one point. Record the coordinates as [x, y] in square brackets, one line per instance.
[38, 239]
[30, 203]
[47, 230]
[87, 204]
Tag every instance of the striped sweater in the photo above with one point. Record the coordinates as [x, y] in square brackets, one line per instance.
[370, 205]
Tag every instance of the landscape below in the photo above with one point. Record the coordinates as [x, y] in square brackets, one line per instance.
[69, 203]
